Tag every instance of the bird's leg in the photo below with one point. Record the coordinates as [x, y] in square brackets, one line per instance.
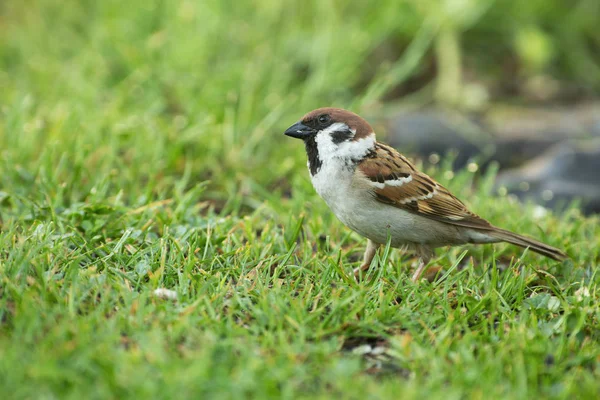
[420, 269]
[425, 255]
[369, 255]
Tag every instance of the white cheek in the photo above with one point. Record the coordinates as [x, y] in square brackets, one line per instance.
[325, 145]
[347, 149]
[356, 148]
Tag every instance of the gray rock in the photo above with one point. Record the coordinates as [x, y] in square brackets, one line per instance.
[507, 135]
[550, 155]
[429, 132]
[522, 133]
[566, 172]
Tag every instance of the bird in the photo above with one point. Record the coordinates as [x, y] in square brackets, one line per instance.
[378, 193]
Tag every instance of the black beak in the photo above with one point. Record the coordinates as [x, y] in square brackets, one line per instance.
[299, 131]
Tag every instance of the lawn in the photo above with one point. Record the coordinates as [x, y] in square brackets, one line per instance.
[141, 148]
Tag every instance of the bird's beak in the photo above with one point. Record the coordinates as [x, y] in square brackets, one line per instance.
[299, 131]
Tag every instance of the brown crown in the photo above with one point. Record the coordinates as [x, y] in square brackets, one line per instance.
[353, 121]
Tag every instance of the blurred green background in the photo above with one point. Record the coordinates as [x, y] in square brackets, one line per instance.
[141, 147]
[92, 90]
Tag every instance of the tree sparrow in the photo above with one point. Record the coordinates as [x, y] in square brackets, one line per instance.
[378, 193]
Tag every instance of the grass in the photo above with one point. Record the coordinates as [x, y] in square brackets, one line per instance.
[141, 148]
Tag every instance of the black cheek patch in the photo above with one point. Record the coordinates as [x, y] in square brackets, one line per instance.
[338, 137]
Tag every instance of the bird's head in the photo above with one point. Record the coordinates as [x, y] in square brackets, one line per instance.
[333, 133]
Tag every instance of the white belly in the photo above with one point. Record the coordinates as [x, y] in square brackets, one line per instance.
[357, 208]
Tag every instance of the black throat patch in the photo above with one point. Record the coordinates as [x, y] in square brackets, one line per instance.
[314, 162]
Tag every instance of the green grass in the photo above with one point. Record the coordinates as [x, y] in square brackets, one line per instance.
[141, 148]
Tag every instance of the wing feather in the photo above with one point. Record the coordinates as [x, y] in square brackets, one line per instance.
[395, 181]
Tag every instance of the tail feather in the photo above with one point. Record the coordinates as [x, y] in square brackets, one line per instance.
[534, 245]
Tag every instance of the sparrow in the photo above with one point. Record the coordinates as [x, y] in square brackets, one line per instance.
[375, 191]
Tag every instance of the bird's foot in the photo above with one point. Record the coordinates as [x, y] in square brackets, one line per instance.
[419, 271]
[431, 273]
[358, 272]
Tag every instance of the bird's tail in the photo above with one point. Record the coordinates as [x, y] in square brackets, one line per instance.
[534, 245]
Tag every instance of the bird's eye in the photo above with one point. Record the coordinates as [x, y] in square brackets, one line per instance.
[323, 119]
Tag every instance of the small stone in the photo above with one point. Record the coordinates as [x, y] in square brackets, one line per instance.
[166, 294]
[378, 350]
[581, 293]
[362, 349]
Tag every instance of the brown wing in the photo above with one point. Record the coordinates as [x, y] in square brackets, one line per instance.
[398, 183]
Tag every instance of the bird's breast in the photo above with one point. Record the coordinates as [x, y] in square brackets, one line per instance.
[352, 201]
[334, 183]
[349, 197]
